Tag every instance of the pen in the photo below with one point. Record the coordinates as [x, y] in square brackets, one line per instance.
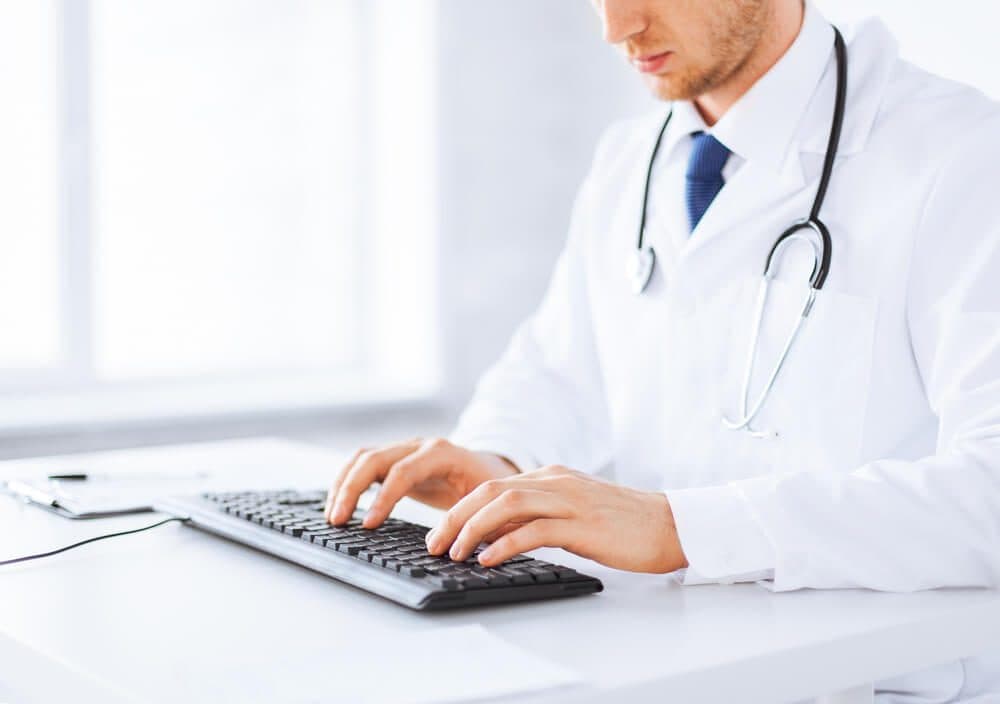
[81, 476]
[26, 490]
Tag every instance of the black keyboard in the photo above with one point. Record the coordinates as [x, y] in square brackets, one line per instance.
[391, 560]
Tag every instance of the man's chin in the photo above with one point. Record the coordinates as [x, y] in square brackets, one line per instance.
[679, 84]
[668, 87]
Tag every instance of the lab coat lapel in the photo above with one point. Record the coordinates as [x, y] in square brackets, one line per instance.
[758, 189]
[753, 191]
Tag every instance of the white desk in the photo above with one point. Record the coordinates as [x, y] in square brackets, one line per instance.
[118, 619]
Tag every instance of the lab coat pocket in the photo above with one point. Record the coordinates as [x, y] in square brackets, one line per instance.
[816, 407]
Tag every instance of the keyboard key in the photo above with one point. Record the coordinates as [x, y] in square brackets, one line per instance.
[339, 540]
[492, 577]
[444, 582]
[516, 576]
[541, 575]
[453, 570]
[537, 563]
[473, 581]
[412, 571]
[413, 549]
[564, 573]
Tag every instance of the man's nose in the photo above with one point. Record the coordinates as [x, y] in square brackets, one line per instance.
[622, 19]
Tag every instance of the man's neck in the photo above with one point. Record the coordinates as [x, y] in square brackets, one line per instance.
[783, 27]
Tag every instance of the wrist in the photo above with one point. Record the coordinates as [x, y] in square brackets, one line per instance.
[498, 466]
[672, 555]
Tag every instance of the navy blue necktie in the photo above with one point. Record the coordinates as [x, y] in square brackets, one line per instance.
[704, 175]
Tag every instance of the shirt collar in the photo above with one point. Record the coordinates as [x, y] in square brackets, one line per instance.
[761, 125]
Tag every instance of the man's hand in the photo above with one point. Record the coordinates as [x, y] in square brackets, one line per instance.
[432, 471]
[558, 507]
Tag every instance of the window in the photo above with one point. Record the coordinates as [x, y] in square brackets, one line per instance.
[29, 192]
[214, 208]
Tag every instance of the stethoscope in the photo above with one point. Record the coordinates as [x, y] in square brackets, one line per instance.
[810, 230]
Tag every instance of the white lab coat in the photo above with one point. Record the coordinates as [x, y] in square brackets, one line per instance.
[886, 472]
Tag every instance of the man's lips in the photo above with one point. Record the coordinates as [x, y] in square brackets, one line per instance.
[651, 63]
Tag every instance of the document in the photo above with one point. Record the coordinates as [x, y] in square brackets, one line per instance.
[104, 496]
[107, 483]
[447, 664]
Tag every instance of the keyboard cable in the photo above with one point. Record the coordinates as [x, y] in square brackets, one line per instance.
[40, 555]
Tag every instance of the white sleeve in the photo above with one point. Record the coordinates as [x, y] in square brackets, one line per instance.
[895, 525]
[543, 402]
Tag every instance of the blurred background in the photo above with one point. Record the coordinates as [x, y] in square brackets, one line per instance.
[313, 218]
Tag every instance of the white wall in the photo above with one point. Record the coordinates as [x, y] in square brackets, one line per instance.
[953, 38]
[526, 87]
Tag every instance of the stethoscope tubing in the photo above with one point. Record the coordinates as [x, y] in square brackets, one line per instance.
[821, 242]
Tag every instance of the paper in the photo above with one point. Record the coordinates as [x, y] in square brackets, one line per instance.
[103, 496]
[135, 478]
[449, 664]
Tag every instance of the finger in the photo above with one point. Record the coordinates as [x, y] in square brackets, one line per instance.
[552, 470]
[543, 532]
[400, 478]
[511, 505]
[335, 487]
[370, 467]
[444, 534]
[514, 525]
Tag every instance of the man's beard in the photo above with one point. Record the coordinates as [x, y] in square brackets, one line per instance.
[733, 41]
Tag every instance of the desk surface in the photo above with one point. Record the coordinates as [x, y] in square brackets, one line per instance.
[128, 614]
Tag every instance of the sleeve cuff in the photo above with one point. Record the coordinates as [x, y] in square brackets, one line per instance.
[720, 535]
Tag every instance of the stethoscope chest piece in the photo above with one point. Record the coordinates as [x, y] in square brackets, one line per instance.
[640, 268]
[811, 230]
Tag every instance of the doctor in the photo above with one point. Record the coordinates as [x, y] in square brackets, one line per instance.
[872, 459]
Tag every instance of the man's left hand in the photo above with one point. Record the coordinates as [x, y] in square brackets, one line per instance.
[558, 507]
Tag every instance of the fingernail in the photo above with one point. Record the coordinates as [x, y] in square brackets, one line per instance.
[486, 555]
[455, 552]
[338, 511]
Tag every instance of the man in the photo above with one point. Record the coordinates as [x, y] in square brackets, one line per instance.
[881, 465]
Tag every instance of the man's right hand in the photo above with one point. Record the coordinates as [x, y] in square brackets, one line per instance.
[432, 471]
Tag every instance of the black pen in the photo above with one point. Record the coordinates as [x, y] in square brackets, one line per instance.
[81, 476]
